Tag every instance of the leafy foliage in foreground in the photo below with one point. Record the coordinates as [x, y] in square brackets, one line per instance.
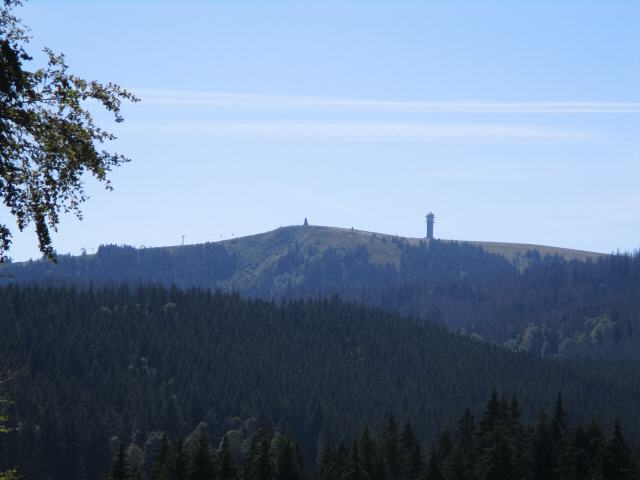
[11, 473]
[48, 137]
[100, 364]
[498, 447]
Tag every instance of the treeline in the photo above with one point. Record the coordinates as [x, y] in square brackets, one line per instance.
[93, 364]
[272, 456]
[497, 447]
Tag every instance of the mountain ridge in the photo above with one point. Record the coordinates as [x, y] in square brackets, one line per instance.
[510, 250]
[554, 302]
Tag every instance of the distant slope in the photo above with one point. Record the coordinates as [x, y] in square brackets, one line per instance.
[534, 298]
[381, 248]
[295, 260]
[259, 251]
[516, 251]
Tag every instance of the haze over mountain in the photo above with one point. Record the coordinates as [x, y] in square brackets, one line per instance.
[546, 300]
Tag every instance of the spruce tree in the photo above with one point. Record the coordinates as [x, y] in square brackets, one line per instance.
[444, 446]
[367, 449]
[201, 467]
[434, 472]
[559, 420]
[517, 438]
[582, 464]
[561, 442]
[461, 464]
[542, 455]
[160, 468]
[226, 468]
[492, 413]
[514, 409]
[617, 461]
[178, 464]
[496, 459]
[287, 468]
[341, 462]
[326, 463]
[411, 451]
[391, 449]
[259, 464]
[355, 464]
[120, 466]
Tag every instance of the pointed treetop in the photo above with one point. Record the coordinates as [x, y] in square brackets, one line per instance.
[392, 426]
[514, 408]
[433, 468]
[559, 416]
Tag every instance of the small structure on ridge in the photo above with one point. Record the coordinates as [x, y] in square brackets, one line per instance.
[431, 218]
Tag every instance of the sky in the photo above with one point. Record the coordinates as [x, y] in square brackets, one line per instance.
[513, 121]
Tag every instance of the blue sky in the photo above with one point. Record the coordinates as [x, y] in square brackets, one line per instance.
[511, 120]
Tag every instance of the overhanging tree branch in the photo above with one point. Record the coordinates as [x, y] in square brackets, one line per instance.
[48, 138]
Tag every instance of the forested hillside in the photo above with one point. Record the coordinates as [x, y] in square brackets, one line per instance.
[96, 367]
[548, 305]
[497, 447]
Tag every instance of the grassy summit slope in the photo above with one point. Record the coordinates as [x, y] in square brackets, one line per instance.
[264, 248]
[257, 253]
[254, 254]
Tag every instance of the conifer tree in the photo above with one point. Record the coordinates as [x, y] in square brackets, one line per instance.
[558, 421]
[444, 446]
[201, 467]
[517, 438]
[596, 444]
[372, 463]
[120, 466]
[461, 464]
[326, 466]
[411, 450]
[496, 459]
[455, 468]
[341, 462]
[561, 442]
[582, 464]
[391, 446]
[226, 468]
[178, 465]
[617, 461]
[259, 465]
[355, 464]
[160, 468]
[542, 455]
[492, 413]
[514, 409]
[299, 459]
[434, 472]
[287, 468]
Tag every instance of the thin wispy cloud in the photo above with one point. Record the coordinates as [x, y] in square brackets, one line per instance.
[188, 98]
[367, 130]
[232, 115]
